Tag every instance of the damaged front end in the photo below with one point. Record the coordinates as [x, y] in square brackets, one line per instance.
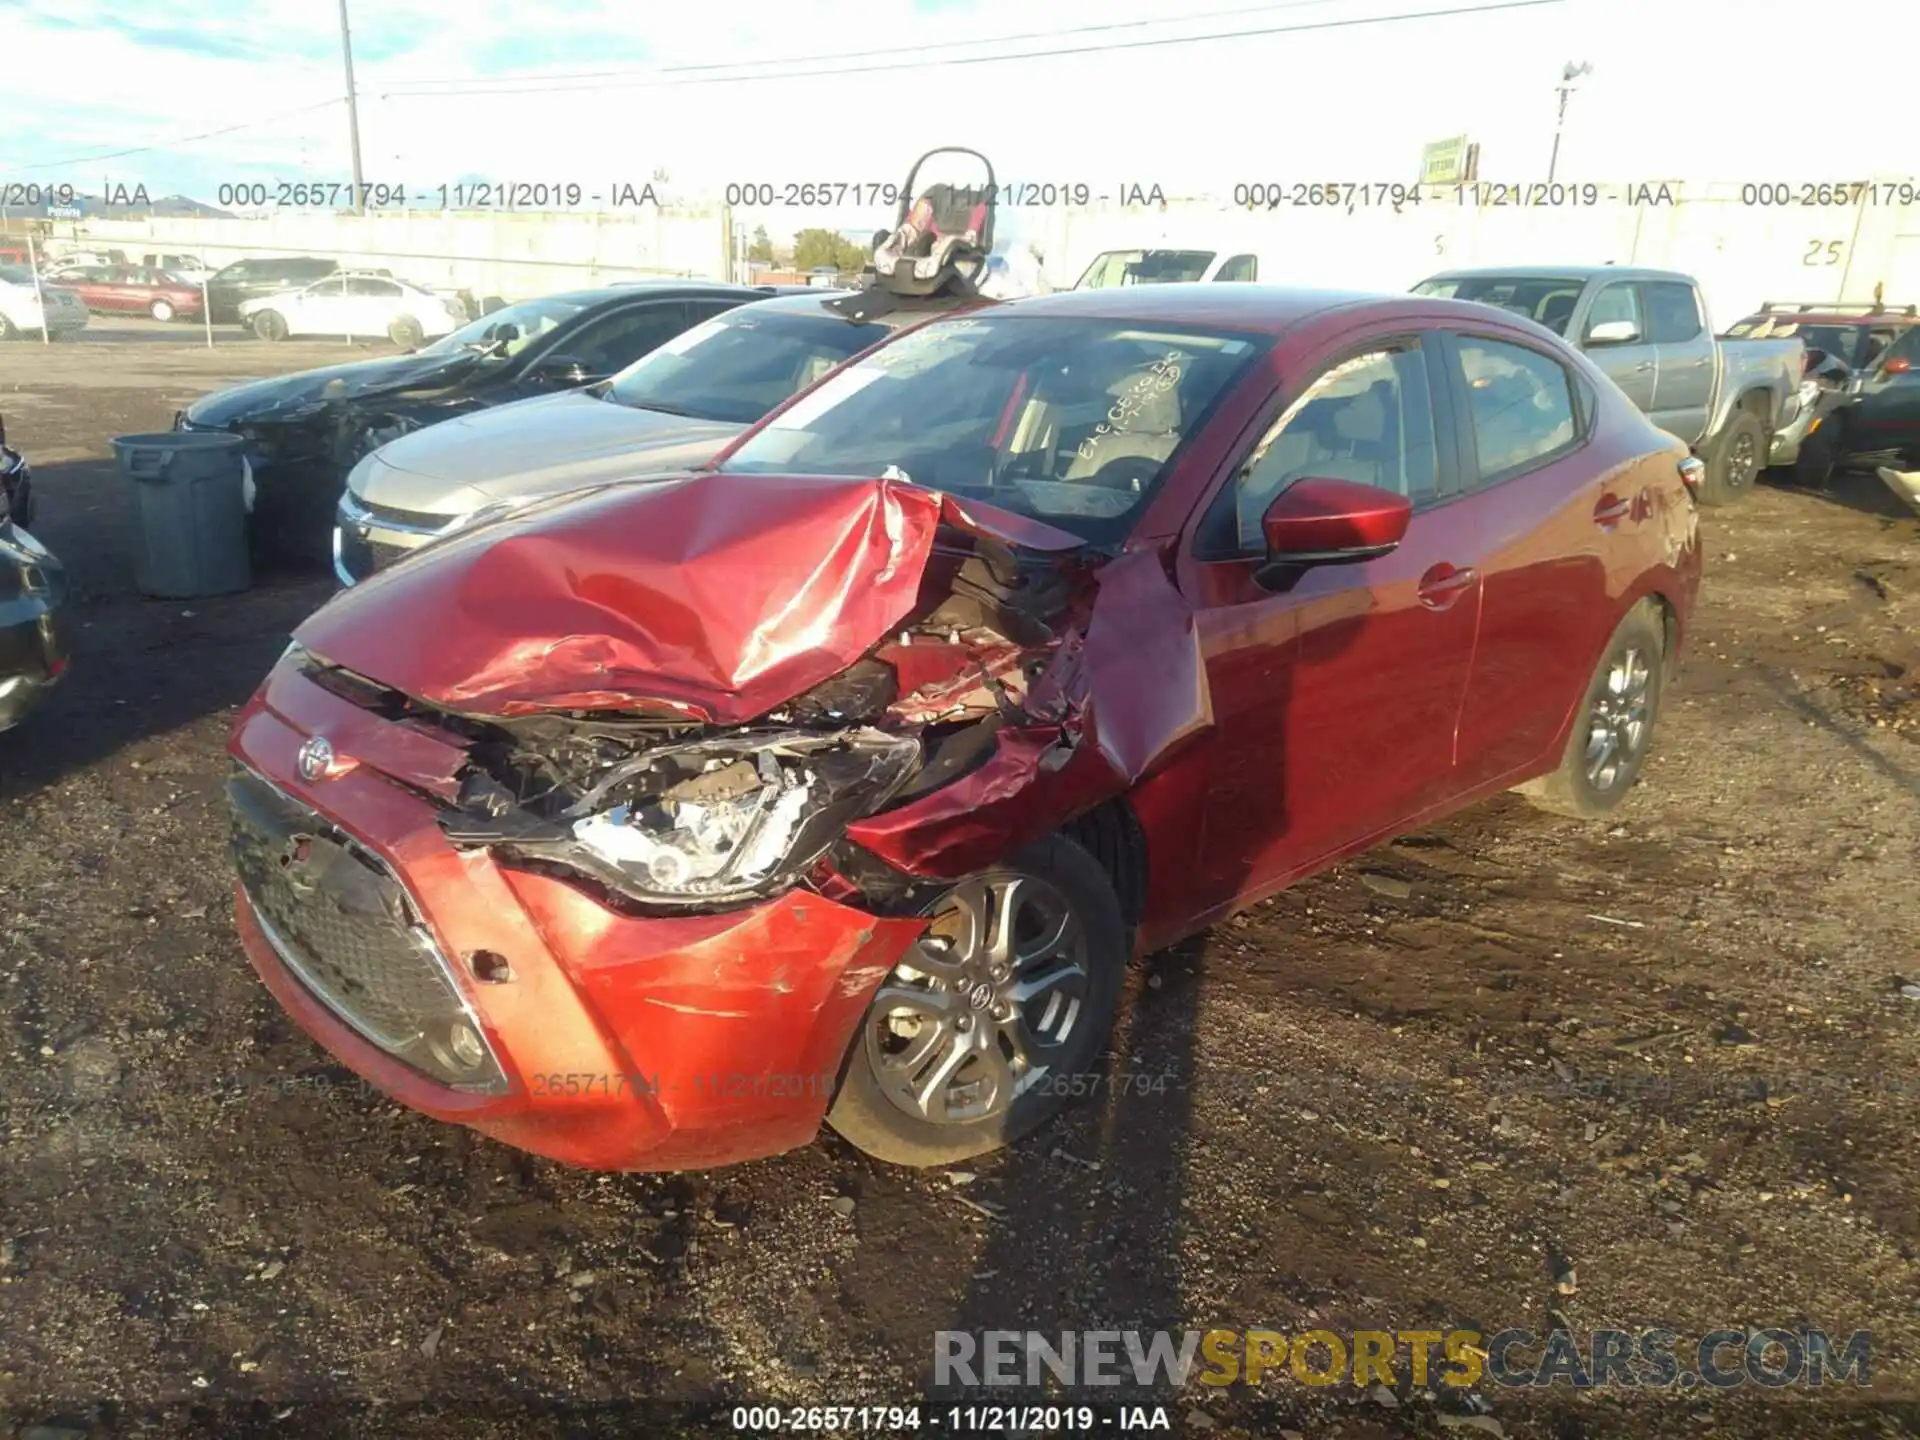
[702, 822]
[651, 709]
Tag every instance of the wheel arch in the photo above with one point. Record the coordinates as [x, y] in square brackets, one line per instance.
[1112, 834]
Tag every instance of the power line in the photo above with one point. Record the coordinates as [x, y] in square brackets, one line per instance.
[399, 86]
[946, 61]
[183, 139]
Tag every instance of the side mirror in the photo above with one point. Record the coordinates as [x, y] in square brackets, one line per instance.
[1329, 522]
[1613, 332]
[560, 370]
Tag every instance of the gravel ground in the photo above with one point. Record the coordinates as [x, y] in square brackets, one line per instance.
[1669, 1055]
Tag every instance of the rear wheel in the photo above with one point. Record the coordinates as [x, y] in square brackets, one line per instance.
[1614, 726]
[406, 332]
[1735, 458]
[8, 330]
[270, 325]
[980, 1033]
[160, 310]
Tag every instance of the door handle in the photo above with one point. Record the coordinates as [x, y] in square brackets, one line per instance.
[1444, 584]
[1642, 367]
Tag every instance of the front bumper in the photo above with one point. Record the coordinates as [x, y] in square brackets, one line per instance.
[623, 1042]
[1788, 439]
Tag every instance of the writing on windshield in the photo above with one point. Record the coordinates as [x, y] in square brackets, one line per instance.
[1071, 420]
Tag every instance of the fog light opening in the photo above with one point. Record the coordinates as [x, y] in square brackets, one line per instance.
[459, 1048]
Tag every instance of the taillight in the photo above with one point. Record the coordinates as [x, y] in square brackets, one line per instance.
[1694, 472]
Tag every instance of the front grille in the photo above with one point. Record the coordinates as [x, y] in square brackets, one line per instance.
[346, 928]
[361, 557]
[403, 519]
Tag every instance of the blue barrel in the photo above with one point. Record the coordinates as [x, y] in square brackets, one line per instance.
[190, 509]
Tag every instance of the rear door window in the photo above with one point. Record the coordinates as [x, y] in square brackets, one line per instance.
[1521, 404]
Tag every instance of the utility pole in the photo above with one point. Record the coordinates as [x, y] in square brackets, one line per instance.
[353, 114]
[1568, 74]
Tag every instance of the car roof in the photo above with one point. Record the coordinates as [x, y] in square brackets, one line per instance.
[1582, 273]
[1233, 306]
[1831, 317]
[650, 289]
[811, 300]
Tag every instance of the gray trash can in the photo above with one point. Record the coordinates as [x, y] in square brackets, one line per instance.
[191, 511]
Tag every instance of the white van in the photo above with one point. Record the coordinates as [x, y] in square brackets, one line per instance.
[1165, 266]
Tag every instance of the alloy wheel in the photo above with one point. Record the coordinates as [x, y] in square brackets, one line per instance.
[985, 1003]
[1743, 461]
[1618, 723]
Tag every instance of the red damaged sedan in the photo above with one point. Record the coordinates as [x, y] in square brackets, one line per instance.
[649, 828]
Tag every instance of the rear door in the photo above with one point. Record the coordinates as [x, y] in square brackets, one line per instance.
[1632, 363]
[116, 290]
[371, 305]
[1334, 700]
[1683, 358]
[1547, 523]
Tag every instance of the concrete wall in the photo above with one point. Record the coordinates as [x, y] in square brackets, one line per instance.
[1742, 254]
[513, 255]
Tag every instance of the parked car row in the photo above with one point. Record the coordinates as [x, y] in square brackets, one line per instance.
[808, 722]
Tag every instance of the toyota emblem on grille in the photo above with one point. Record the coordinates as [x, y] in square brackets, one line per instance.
[316, 759]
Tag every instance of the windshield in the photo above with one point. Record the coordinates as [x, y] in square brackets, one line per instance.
[740, 365]
[1070, 420]
[1145, 267]
[532, 318]
[1547, 301]
[16, 274]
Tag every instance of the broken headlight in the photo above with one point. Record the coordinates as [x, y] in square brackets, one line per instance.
[716, 820]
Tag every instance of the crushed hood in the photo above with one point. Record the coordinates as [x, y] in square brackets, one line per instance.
[715, 597]
[270, 399]
[535, 447]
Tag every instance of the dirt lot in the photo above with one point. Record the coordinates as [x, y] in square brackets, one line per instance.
[1386, 1109]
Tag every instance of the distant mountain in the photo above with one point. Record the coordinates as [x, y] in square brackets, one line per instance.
[133, 203]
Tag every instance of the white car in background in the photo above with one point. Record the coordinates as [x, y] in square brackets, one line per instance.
[353, 303]
[27, 309]
[1169, 265]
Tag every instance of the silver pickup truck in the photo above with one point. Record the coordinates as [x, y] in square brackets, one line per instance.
[1648, 330]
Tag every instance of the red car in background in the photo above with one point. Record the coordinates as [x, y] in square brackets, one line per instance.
[129, 289]
[648, 828]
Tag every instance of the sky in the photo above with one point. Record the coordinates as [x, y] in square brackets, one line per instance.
[600, 93]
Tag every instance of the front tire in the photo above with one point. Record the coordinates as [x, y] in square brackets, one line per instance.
[1813, 466]
[8, 330]
[1614, 726]
[270, 325]
[981, 1032]
[1735, 460]
[161, 311]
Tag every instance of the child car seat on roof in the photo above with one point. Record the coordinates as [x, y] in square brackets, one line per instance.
[942, 236]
